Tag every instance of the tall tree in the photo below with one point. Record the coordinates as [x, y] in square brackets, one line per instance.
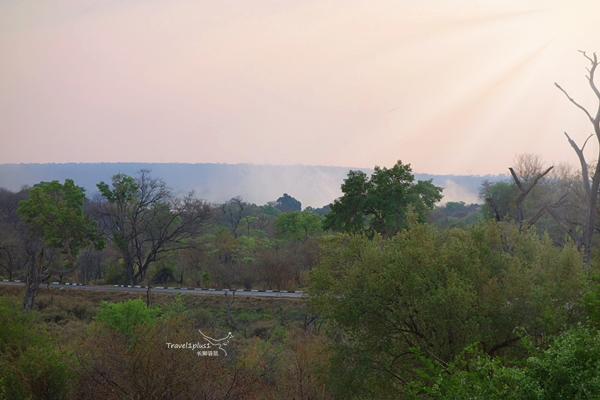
[143, 221]
[590, 183]
[54, 212]
[380, 203]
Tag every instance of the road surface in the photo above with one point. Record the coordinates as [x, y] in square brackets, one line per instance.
[198, 291]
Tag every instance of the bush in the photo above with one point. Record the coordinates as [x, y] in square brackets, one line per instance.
[46, 372]
[29, 365]
[438, 291]
[17, 333]
[149, 369]
[125, 316]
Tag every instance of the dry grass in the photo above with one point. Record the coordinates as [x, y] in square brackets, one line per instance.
[66, 312]
[270, 356]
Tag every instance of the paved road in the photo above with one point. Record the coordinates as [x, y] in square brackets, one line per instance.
[124, 288]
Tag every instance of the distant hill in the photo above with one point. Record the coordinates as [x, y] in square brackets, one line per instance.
[314, 186]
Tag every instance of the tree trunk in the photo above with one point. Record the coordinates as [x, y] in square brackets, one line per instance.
[588, 235]
[592, 193]
[129, 271]
[32, 283]
[31, 288]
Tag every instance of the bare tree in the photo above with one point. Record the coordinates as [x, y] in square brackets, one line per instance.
[552, 191]
[234, 210]
[525, 189]
[590, 183]
[143, 221]
[527, 166]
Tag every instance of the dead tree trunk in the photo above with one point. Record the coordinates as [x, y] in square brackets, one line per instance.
[524, 192]
[494, 208]
[590, 185]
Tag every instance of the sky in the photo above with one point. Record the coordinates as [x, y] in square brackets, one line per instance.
[450, 87]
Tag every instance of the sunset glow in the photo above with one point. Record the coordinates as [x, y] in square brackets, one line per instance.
[450, 87]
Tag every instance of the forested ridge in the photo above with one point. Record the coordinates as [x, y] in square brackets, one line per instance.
[407, 297]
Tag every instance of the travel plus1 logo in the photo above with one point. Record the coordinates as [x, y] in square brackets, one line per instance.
[210, 348]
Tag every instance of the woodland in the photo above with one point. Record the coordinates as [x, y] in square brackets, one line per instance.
[405, 296]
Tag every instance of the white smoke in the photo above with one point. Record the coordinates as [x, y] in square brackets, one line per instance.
[455, 192]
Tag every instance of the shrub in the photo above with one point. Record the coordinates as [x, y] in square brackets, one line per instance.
[125, 316]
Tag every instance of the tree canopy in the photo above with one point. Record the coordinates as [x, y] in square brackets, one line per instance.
[297, 225]
[380, 203]
[54, 212]
[436, 292]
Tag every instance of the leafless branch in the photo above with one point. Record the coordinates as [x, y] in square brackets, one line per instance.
[575, 103]
[586, 140]
[517, 181]
[525, 192]
[584, 167]
[535, 218]
[568, 228]
[586, 56]
[592, 70]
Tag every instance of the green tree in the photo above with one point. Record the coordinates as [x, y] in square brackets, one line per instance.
[380, 203]
[297, 225]
[54, 212]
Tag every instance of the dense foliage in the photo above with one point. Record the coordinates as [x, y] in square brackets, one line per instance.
[379, 204]
[436, 292]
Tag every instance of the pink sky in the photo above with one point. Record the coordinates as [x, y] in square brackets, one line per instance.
[456, 86]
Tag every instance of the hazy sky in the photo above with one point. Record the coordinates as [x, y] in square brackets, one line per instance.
[456, 86]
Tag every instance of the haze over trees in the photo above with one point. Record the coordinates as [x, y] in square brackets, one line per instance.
[217, 183]
[397, 306]
[406, 298]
